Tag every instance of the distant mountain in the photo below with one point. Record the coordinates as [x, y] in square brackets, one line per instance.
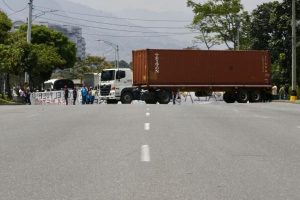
[95, 28]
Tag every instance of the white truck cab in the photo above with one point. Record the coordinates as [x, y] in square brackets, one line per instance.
[113, 82]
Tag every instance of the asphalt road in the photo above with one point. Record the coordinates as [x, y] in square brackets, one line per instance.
[150, 152]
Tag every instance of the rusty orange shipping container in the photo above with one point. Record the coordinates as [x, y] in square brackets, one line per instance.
[200, 68]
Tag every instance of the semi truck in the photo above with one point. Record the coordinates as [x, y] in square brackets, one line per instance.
[243, 76]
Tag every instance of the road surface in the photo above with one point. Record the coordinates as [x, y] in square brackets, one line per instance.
[208, 151]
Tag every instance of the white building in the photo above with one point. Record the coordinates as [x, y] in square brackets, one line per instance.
[74, 33]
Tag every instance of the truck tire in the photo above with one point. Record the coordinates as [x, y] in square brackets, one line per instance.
[229, 97]
[242, 96]
[151, 101]
[164, 97]
[255, 96]
[151, 98]
[126, 98]
[112, 101]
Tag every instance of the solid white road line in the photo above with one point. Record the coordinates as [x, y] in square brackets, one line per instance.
[145, 153]
[147, 126]
[147, 114]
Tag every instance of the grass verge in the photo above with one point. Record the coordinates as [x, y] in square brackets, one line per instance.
[7, 102]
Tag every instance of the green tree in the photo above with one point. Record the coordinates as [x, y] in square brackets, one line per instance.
[8, 54]
[205, 36]
[47, 60]
[123, 64]
[271, 30]
[219, 21]
[65, 48]
[5, 26]
[92, 64]
[49, 50]
[10, 59]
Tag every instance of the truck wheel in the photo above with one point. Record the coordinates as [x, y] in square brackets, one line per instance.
[151, 101]
[126, 98]
[164, 97]
[229, 97]
[151, 98]
[242, 96]
[255, 96]
[112, 101]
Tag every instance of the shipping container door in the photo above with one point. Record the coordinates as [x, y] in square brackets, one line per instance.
[140, 67]
[238, 68]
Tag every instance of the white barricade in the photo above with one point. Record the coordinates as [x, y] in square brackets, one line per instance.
[56, 98]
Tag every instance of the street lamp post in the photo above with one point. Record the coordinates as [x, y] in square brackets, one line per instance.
[29, 25]
[29, 28]
[294, 76]
[238, 34]
[116, 48]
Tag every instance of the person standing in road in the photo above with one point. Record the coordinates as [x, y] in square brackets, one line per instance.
[22, 95]
[174, 97]
[27, 96]
[84, 93]
[281, 93]
[66, 94]
[92, 95]
[88, 96]
[286, 91]
[74, 96]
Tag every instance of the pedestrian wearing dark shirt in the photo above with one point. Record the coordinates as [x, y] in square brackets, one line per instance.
[27, 96]
[74, 96]
[66, 94]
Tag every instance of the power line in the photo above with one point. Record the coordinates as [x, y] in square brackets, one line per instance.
[130, 36]
[6, 4]
[111, 17]
[108, 52]
[113, 24]
[11, 9]
[111, 29]
[17, 11]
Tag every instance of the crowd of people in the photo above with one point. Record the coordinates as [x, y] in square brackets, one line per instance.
[283, 92]
[24, 93]
[87, 95]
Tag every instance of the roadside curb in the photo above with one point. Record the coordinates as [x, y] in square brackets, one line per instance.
[286, 101]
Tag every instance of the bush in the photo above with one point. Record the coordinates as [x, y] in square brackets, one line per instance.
[294, 93]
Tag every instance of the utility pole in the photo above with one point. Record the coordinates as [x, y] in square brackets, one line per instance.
[29, 25]
[238, 37]
[238, 34]
[116, 48]
[294, 76]
[118, 57]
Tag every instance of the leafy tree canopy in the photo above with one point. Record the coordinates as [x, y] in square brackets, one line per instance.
[218, 21]
[271, 30]
[65, 48]
[5, 26]
[92, 64]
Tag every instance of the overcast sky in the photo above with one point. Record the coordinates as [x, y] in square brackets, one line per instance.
[153, 5]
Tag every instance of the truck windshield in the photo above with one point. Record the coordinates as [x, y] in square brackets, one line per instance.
[108, 75]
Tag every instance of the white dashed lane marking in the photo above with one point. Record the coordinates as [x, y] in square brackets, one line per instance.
[147, 126]
[147, 114]
[145, 153]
